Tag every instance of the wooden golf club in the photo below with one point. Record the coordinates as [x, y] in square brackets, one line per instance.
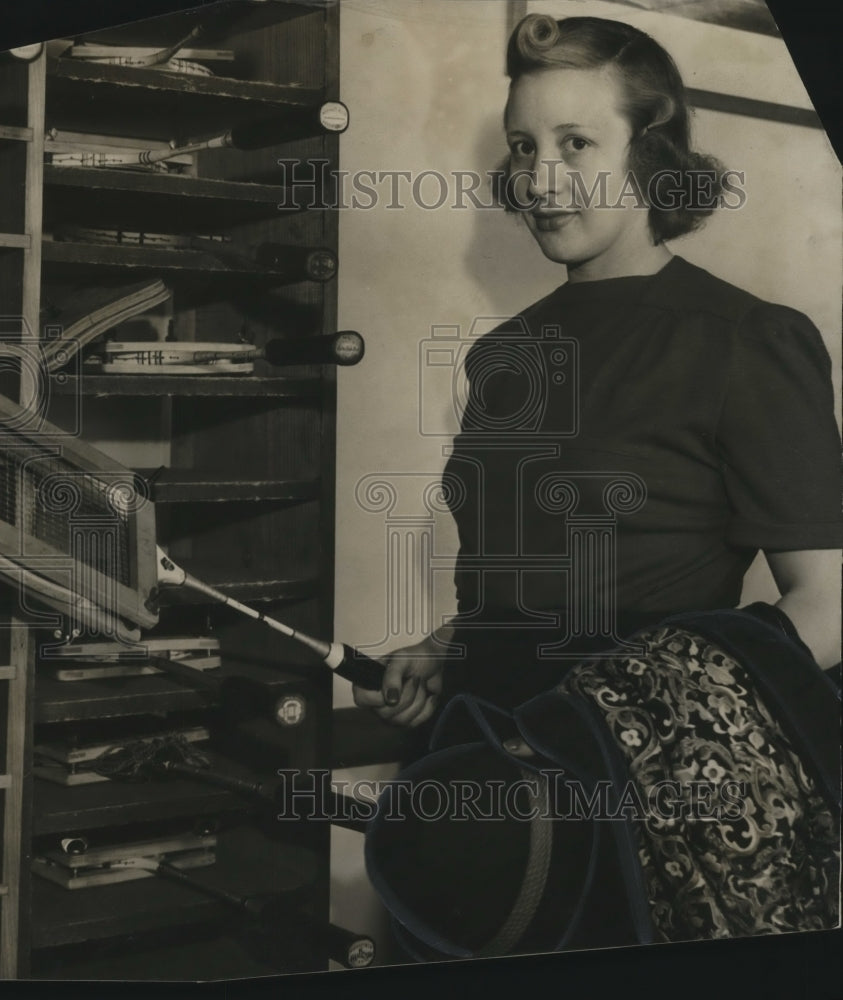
[272, 911]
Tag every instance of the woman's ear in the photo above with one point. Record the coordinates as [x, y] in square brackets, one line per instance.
[664, 114]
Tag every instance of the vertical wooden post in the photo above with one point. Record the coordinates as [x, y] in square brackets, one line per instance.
[15, 777]
[18, 673]
[31, 292]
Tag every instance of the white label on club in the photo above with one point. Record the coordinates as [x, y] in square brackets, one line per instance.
[348, 346]
[361, 953]
[290, 710]
[333, 116]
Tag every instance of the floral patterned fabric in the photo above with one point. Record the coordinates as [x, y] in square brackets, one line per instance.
[765, 859]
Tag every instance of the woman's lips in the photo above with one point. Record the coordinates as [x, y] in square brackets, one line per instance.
[551, 220]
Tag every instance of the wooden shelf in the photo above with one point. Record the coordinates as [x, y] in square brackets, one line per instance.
[154, 202]
[15, 241]
[17, 133]
[263, 445]
[190, 486]
[141, 259]
[218, 21]
[58, 809]
[73, 701]
[63, 701]
[249, 863]
[158, 954]
[153, 104]
[245, 386]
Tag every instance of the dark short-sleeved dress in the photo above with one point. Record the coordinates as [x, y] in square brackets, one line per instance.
[627, 447]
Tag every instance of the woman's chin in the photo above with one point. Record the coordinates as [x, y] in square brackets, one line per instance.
[555, 246]
[558, 254]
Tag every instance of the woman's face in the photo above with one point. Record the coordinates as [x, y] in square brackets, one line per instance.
[564, 129]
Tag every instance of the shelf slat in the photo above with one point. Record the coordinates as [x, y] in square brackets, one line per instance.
[250, 864]
[154, 104]
[19, 241]
[245, 386]
[64, 701]
[122, 257]
[190, 486]
[218, 21]
[74, 701]
[59, 808]
[210, 951]
[18, 133]
[129, 79]
[155, 202]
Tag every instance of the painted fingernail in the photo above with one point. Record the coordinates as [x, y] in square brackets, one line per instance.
[517, 747]
[392, 696]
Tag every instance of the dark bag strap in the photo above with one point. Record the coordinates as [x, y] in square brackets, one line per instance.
[566, 734]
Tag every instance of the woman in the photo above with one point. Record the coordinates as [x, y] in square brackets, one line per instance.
[714, 405]
[606, 524]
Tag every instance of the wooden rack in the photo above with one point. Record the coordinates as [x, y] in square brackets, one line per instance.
[240, 468]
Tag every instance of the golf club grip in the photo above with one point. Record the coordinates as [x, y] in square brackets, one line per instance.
[360, 669]
[298, 263]
[208, 777]
[343, 348]
[293, 123]
[301, 929]
[349, 949]
[170, 871]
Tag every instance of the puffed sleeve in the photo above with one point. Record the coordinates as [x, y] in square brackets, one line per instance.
[777, 437]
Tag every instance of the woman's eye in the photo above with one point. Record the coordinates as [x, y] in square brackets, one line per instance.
[576, 143]
[522, 147]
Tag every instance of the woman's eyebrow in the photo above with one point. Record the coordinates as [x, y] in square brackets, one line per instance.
[556, 128]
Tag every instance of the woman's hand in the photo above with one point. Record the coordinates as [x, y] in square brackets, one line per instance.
[411, 686]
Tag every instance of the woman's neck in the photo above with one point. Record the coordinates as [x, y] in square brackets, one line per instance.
[648, 259]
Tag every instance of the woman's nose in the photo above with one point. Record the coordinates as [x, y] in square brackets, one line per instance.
[543, 178]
